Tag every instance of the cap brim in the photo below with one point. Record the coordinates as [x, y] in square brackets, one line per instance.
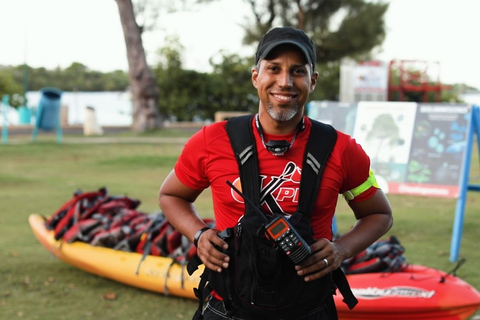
[272, 46]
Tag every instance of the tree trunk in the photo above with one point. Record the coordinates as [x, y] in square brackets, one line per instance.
[143, 84]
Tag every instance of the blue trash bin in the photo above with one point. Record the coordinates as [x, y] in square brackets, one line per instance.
[48, 111]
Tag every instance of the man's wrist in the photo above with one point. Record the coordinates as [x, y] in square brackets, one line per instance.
[198, 234]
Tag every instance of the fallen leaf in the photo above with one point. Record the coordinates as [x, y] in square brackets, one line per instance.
[109, 296]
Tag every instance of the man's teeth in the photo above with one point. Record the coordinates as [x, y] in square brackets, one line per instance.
[281, 97]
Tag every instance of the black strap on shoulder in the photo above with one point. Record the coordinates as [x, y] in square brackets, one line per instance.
[240, 132]
[321, 141]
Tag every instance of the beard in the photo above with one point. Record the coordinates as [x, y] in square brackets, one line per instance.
[282, 114]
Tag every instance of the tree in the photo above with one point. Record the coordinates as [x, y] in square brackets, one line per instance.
[9, 87]
[190, 95]
[76, 77]
[143, 85]
[232, 88]
[340, 28]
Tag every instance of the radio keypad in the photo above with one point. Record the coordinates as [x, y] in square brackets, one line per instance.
[288, 240]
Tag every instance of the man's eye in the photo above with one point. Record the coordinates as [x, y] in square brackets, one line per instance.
[300, 71]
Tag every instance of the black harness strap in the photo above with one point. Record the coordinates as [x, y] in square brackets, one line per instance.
[242, 139]
[321, 141]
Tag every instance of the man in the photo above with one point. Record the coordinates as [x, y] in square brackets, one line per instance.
[284, 76]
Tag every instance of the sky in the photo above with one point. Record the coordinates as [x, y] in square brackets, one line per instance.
[55, 33]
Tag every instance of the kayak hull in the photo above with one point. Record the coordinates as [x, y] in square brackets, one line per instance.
[158, 274]
[419, 292]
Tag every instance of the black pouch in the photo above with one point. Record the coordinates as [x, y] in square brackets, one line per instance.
[261, 280]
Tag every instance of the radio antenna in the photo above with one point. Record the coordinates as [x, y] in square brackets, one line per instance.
[250, 202]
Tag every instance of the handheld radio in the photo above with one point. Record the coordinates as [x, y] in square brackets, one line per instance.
[281, 233]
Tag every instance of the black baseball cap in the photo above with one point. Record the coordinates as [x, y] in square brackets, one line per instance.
[286, 35]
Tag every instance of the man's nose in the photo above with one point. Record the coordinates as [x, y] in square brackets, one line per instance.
[285, 79]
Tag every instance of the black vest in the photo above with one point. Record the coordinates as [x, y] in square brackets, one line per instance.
[261, 281]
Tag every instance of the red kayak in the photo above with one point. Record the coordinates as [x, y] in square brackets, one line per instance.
[416, 293]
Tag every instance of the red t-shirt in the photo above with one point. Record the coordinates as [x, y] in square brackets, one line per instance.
[208, 161]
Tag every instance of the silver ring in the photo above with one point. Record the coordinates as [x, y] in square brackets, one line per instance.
[326, 262]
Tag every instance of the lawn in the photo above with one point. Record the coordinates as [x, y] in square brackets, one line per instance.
[39, 177]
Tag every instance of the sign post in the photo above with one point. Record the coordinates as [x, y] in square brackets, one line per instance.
[474, 128]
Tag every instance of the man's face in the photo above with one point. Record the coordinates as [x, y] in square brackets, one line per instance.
[284, 81]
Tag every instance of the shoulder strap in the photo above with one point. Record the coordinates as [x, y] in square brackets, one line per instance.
[240, 132]
[321, 141]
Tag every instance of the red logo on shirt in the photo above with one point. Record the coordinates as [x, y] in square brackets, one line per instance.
[278, 192]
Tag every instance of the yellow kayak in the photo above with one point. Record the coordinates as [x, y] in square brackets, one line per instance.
[154, 273]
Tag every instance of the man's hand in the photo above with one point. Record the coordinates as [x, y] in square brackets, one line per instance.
[374, 219]
[208, 250]
[326, 257]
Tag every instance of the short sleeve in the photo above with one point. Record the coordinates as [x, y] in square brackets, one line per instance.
[190, 167]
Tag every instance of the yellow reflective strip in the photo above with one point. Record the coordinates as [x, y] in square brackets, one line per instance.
[370, 182]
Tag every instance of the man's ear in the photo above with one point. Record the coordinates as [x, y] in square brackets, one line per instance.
[254, 76]
[313, 81]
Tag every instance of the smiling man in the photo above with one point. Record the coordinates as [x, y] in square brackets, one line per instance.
[280, 286]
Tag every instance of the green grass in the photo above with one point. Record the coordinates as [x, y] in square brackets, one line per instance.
[39, 177]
